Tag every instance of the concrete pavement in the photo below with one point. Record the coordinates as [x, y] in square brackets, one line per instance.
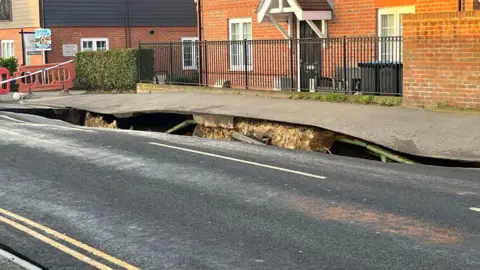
[8, 98]
[6, 264]
[412, 131]
[158, 201]
[10, 260]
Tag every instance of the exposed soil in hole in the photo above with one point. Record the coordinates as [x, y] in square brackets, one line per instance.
[99, 121]
[270, 133]
[275, 134]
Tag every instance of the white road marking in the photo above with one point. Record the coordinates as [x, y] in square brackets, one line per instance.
[467, 193]
[240, 160]
[43, 125]
[12, 119]
[476, 209]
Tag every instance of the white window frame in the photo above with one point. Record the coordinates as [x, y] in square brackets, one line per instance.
[194, 41]
[12, 42]
[397, 13]
[230, 52]
[94, 43]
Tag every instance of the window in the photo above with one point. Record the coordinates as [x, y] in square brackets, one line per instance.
[5, 10]
[189, 53]
[390, 25]
[240, 30]
[94, 44]
[8, 48]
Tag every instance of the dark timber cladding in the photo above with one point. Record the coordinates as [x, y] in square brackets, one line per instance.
[314, 5]
[114, 13]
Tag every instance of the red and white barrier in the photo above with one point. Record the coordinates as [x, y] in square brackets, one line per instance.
[5, 75]
[39, 77]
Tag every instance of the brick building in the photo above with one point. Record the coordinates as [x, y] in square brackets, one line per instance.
[14, 16]
[94, 24]
[432, 34]
[329, 18]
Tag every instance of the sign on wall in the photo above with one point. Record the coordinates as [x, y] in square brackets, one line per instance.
[43, 40]
[70, 50]
[29, 40]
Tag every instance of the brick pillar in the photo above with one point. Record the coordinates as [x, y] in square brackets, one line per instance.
[442, 59]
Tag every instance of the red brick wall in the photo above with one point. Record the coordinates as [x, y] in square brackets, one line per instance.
[216, 14]
[427, 6]
[116, 36]
[352, 17]
[359, 17]
[393, 3]
[349, 18]
[13, 34]
[442, 59]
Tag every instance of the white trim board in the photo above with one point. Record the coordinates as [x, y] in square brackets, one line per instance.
[266, 8]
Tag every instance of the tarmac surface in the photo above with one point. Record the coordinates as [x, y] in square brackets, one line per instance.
[157, 201]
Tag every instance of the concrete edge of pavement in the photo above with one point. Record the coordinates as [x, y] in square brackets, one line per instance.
[411, 131]
[10, 260]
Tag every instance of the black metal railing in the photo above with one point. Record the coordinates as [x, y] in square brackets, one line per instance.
[369, 65]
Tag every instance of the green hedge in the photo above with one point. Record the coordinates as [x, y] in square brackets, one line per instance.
[115, 70]
[11, 63]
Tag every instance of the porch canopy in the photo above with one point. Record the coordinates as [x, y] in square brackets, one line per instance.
[276, 11]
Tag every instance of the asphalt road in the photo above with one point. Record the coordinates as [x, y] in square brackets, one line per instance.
[156, 201]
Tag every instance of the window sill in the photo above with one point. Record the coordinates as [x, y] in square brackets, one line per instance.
[240, 69]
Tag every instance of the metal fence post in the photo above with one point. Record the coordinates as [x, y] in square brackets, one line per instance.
[171, 60]
[199, 54]
[245, 59]
[22, 32]
[140, 62]
[292, 81]
[206, 63]
[400, 66]
[345, 63]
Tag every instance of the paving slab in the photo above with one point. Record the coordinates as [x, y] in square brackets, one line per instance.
[418, 132]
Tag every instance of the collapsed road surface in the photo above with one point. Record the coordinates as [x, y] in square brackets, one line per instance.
[448, 136]
[81, 198]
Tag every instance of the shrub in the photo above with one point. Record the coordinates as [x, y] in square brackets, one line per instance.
[114, 70]
[11, 63]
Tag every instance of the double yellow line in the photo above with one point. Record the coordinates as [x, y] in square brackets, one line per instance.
[13, 220]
